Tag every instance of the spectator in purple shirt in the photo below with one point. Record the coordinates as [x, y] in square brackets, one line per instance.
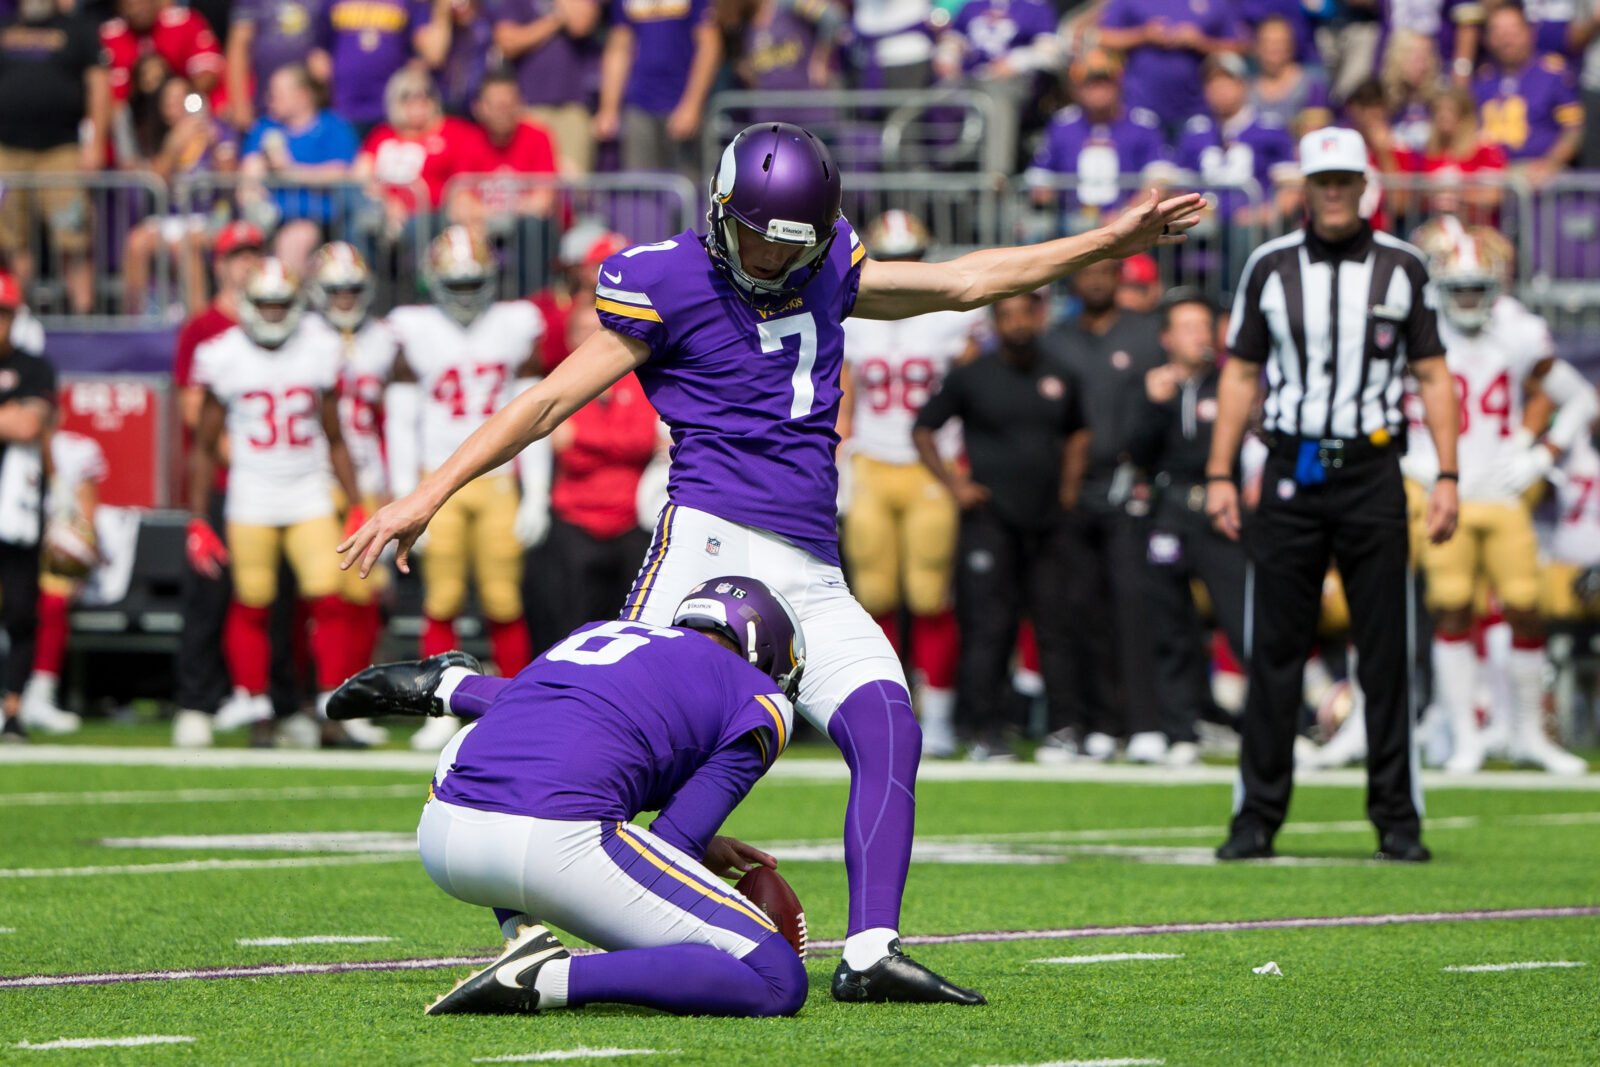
[554, 47]
[1283, 86]
[1553, 27]
[1411, 78]
[1095, 146]
[263, 36]
[1165, 42]
[1529, 104]
[360, 44]
[1230, 144]
[655, 76]
[1001, 47]
[788, 45]
[1253, 13]
[454, 44]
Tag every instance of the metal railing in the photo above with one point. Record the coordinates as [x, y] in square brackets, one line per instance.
[909, 131]
[80, 242]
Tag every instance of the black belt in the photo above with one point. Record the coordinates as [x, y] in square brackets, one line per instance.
[1334, 452]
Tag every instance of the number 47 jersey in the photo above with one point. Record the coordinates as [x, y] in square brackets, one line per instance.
[751, 397]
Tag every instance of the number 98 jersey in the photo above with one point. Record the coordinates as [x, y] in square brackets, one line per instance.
[896, 366]
[751, 397]
[278, 453]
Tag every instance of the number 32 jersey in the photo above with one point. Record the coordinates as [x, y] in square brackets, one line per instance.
[278, 454]
[751, 398]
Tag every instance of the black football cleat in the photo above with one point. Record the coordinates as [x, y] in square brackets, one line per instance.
[1403, 848]
[898, 979]
[404, 688]
[1246, 843]
[506, 986]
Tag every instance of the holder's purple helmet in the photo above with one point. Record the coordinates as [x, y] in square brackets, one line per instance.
[759, 622]
[780, 181]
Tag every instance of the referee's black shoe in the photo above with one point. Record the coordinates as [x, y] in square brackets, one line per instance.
[1401, 847]
[1246, 842]
[404, 688]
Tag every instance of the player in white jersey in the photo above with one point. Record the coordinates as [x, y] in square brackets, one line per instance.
[462, 358]
[77, 466]
[340, 287]
[1498, 351]
[900, 523]
[270, 385]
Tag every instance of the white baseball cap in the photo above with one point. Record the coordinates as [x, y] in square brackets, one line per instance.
[1333, 148]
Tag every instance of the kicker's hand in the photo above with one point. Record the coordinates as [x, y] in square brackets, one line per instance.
[401, 522]
[1154, 222]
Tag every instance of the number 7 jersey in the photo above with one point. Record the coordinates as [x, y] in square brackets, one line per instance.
[751, 397]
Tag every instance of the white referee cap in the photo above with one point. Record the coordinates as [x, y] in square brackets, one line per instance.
[1333, 148]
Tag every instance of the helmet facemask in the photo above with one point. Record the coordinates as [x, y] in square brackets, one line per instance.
[1467, 299]
[271, 305]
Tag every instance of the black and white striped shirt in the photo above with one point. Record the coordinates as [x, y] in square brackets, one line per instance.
[1335, 325]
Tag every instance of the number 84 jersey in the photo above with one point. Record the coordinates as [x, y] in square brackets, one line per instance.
[278, 453]
[751, 397]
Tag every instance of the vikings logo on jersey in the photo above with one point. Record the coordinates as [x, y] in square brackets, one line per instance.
[751, 396]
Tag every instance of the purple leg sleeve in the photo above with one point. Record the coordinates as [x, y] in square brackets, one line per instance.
[474, 695]
[878, 735]
[693, 979]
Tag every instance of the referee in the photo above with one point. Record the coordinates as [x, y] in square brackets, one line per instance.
[1334, 313]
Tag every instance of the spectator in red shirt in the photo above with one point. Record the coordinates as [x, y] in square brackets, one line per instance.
[179, 35]
[589, 559]
[418, 148]
[1456, 149]
[202, 680]
[511, 145]
[568, 305]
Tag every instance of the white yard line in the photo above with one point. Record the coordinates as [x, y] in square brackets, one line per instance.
[1114, 957]
[106, 1042]
[796, 770]
[1088, 1063]
[187, 866]
[285, 841]
[211, 796]
[575, 1054]
[315, 939]
[1525, 965]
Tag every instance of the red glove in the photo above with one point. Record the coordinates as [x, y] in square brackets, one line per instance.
[207, 554]
[356, 519]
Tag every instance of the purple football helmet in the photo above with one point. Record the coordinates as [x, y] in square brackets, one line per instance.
[756, 618]
[780, 181]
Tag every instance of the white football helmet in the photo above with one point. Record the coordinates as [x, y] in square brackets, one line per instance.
[1468, 271]
[340, 285]
[897, 234]
[460, 274]
[272, 303]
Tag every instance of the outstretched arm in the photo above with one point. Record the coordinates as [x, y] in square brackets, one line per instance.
[597, 363]
[900, 290]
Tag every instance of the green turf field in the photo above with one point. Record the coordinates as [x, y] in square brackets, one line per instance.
[80, 894]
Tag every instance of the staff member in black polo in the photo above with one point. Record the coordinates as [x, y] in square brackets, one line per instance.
[1027, 445]
[1335, 314]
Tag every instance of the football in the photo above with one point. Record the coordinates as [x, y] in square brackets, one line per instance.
[769, 891]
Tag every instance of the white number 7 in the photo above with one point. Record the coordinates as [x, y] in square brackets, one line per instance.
[804, 327]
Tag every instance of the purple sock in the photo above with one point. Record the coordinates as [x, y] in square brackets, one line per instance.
[878, 735]
[693, 980]
[474, 694]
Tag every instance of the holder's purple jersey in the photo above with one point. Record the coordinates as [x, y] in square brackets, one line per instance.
[751, 397]
[614, 720]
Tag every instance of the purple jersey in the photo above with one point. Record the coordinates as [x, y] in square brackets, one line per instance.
[992, 28]
[1253, 13]
[368, 41]
[1551, 19]
[282, 35]
[663, 33]
[1245, 148]
[779, 40]
[563, 70]
[467, 60]
[1100, 155]
[1527, 111]
[1167, 80]
[611, 721]
[751, 397]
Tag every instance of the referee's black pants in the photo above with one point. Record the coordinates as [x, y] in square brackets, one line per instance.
[1358, 518]
[1184, 546]
[19, 611]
